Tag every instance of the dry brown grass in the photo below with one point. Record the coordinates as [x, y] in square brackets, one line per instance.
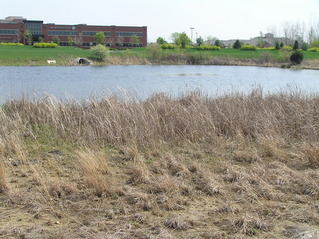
[237, 166]
[95, 169]
[126, 60]
[3, 177]
[192, 117]
[139, 173]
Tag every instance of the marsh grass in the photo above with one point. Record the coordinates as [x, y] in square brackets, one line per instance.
[235, 165]
[3, 177]
[192, 117]
[94, 167]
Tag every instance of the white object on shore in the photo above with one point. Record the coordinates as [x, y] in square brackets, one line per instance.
[51, 61]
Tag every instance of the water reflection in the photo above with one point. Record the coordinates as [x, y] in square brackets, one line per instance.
[143, 81]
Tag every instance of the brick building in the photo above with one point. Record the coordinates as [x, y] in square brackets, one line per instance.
[13, 28]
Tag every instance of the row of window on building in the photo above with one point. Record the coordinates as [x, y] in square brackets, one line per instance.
[74, 33]
[88, 44]
[92, 33]
[8, 32]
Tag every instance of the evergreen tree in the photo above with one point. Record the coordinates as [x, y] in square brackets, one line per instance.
[296, 45]
[296, 57]
[218, 43]
[277, 46]
[199, 41]
[237, 44]
[281, 45]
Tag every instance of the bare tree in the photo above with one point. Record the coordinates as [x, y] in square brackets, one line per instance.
[313, 31]
[18, 36]
[109, 41]
[286, 31]
[300, 31]
[120, 40]
[273, 30]
[78, 40]
[210, 40]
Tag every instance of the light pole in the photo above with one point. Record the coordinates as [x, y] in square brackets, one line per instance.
[192, 28]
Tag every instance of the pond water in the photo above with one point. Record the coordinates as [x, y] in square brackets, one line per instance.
[141, 81]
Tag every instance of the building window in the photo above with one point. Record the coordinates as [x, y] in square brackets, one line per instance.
[8, 32]
[129, 34]
[62, 33]
[91, 33]
[64, 44]
[34, 27]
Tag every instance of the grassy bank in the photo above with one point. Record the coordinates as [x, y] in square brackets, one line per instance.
[236, 57]
[29, 56]
[237, 166]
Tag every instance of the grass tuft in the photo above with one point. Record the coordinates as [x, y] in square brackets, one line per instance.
[175, 223]
[3, 177]
[95, 168]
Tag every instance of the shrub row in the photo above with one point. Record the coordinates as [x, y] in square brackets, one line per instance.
[248, 48]
[286, 48]
[45, 45]
[313, 49]
[10, 44]
[168, 46]
[208, 47]
[267, 48]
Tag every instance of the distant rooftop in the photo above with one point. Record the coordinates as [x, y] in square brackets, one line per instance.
[13, 19]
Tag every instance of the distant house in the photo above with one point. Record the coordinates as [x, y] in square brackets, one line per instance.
[269, 40]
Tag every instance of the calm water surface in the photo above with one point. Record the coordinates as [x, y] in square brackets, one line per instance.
[142, 81]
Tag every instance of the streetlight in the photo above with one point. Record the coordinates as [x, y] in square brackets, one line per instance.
[192, 28]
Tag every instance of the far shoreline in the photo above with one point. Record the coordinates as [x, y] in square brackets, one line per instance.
[69, 56]
[304, 66]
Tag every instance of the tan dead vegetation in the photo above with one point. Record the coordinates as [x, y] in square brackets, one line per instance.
[3, 177]
[175, 224]
[95, 169]
[194, 167]
[126, 60]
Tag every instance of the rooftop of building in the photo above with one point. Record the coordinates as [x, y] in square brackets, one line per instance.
[20, 19]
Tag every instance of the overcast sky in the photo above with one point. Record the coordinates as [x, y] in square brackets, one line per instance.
[224, 19]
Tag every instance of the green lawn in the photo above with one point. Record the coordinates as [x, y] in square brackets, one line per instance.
[28, 55]
[234, 53]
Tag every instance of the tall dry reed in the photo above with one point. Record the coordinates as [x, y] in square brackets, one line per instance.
[95, 168]
[3, 177]
[192, 117]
